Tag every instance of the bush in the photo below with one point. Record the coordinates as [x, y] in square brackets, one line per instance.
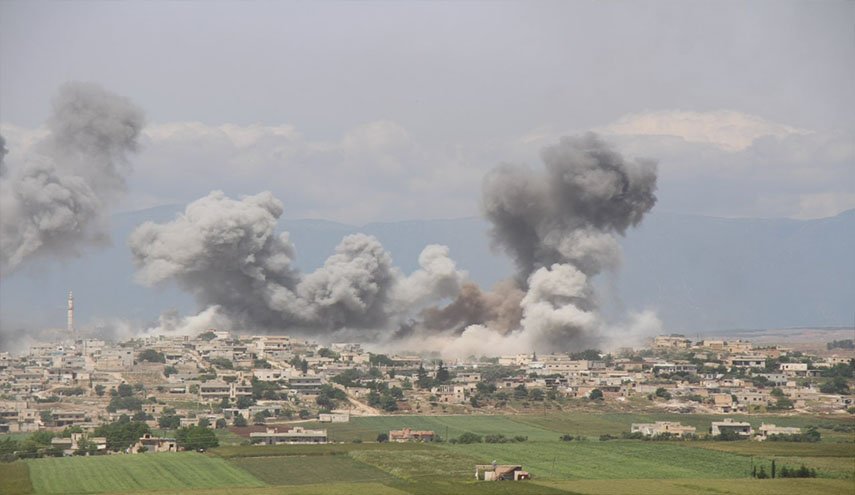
[607, 437]
[566, 438]
[469, 437]
[382, 437]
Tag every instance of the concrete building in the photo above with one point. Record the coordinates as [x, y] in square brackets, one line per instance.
[743, 429]
[661, 428]
[293, 435]
[409, 435]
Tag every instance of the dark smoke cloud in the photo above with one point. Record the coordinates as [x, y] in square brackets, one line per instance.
[227, 253]
[567, 213]
[56, 201]
[499, 309]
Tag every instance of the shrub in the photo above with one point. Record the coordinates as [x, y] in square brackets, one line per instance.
[469, 437]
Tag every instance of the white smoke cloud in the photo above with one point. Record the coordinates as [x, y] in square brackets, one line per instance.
[227, 253]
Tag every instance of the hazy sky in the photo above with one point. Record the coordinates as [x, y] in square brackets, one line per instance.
[380, 111]
[361, 111]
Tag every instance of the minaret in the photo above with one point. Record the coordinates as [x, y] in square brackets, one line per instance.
[70, 315]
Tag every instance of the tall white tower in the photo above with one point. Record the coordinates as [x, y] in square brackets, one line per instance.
[70, 314]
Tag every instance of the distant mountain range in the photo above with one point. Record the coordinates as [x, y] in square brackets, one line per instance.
[701, 274]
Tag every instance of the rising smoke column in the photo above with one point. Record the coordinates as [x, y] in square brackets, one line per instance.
[56, 201]
[559, 226]
[227, 253]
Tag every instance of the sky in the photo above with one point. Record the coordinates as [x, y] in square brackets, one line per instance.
[361, 111]
[378, 111]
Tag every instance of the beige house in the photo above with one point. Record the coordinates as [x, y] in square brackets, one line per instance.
[765, 431]
[409, 435]
[71, 444]
[149, 444]
[742, 429]
[297, 434]
[662, 427]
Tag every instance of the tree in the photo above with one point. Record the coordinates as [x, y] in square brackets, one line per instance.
[304, 367]
[244, 402]
[536, 394]
[152, 356]
[169, 421]
[170, 370]
[382, 437]
[261, 416]
[663, 393]
[125, 390]
[379, 360]
[196, 438]
[423, 381]
[587, 355]
[520, 392]
[442, 375]
[122, 434]
[596, 394]
[207, 336]
[99, 390]
[836, 385]
[220, 424]
[388, 403]
[239, 420]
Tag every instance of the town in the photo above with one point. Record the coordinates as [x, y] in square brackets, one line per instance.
[275, 389]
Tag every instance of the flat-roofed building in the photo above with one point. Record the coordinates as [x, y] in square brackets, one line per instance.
[729, 426]
[662, 428]
[298, 434]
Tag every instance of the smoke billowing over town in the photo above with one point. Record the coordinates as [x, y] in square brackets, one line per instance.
[558, 224]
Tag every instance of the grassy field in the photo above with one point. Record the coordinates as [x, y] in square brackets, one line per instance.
[15, 478]
[704, 486]
[545, 426]
[302, 470]
[165, 471]
[613, 460]
[366, 429]
[590, 467]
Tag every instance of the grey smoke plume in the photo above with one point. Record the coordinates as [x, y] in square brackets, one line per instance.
[227, 253]
[568, 213]
[559, 225]
[55, 201]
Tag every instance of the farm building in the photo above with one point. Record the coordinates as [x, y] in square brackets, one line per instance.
[150, 444]
[335, 417]
[71, 444]
[662, 427]
[409, 435]
[765, 431]
[742, 429]
[500, 472]
[294, 435]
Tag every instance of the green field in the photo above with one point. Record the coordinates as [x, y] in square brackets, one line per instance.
[135, 472]
[304, 470]
[590, 466]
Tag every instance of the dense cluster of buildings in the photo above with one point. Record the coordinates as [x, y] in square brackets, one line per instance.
[217, 379]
